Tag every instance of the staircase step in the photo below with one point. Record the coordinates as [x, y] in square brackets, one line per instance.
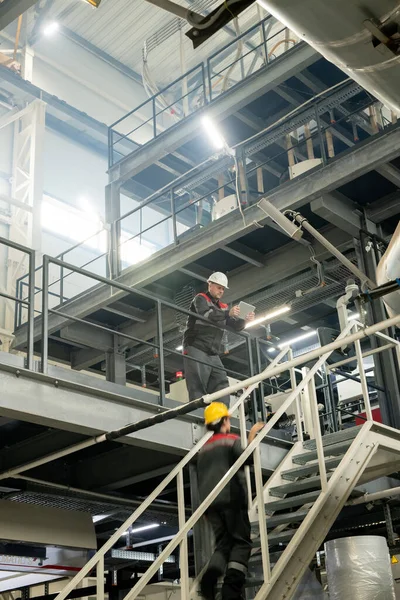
[276, 538]
[285, 519]
[309, 469]
[331, 450]
[256, 558]
[292, 501]
[300, 485]
[333, 438]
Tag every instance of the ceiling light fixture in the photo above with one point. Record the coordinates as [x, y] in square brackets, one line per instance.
[51, 28]
[143, 528]
[268, 316]
[214, 135]
[94, 3]
[299, 338]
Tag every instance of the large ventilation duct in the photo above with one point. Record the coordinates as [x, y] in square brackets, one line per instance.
[389, 270]
[342, 32]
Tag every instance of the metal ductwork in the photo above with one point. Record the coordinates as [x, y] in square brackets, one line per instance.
[388, 270]
[360, 37]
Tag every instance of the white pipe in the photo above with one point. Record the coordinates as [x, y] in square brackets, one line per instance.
[339, 31]
[374, 496]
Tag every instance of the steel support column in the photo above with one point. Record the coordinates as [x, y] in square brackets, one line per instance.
[113, 212]
[116, 365]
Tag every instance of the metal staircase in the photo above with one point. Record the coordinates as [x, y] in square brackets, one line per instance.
[293, 512]
[299, 514]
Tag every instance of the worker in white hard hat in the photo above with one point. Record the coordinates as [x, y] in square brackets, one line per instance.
[203, 342]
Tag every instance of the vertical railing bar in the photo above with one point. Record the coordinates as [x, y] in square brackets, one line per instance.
[62, 284]
[243, 439]
[317, 432]
[45, 314]
[161, 375]
[261, 388]
[184, 555]
[297, 407]
[100, 578]
[363, 379]
[262, 520]
[31, 309]
[173, 211]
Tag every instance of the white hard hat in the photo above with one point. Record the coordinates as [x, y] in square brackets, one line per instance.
[219, 279]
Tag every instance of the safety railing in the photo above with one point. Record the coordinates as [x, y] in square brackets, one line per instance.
[29, 302]
[156, 344]
[307, 384]
[307, 138]
[58, 289]
[255, 48]
[185, 96]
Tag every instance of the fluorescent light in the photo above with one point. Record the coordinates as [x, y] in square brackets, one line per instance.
[51, 28]
[143, 528]
[215, 137]
[299, 338]
[179, 348]
[354, 317]
[268, 316]
[98, 518]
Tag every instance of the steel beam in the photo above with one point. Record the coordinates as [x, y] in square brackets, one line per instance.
[385, 208]
[12, 9]
[289, 260]
[243, 93]
[342, 212]
[244, 253]
[293, 194]
[89, 407]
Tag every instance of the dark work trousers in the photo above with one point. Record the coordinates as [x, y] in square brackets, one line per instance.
[232, 552]
[202, 379]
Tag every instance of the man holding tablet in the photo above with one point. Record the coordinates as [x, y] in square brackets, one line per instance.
[203, 342]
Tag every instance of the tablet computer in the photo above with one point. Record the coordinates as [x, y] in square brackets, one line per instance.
[245, 309]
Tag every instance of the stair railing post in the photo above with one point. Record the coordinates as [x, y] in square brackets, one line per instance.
[243, 439]
[306, 405]
[363, 379]
[297, 407]
[183, 554]
[262, 521]
[318, 434]
[100, 578]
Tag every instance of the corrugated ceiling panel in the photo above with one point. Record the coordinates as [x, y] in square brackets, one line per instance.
[120, 28]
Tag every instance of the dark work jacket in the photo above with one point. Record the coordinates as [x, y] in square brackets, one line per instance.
[203, 336]
[214, 460]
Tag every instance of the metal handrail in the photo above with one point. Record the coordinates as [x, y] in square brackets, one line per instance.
[30, 301]
[324, 354]
[207, 75]
[275, 368]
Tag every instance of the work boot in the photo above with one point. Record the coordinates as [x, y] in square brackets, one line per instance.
[208, 583]
[233, 586]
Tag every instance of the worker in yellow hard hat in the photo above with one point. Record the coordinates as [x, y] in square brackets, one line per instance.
[228, 514]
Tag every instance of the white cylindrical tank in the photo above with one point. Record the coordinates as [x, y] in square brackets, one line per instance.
[337, 30]
[359, 568]
[388, 270]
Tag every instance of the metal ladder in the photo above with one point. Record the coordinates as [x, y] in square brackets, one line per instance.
[315, 479]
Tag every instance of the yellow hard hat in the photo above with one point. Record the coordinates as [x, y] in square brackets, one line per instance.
[215, 412]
